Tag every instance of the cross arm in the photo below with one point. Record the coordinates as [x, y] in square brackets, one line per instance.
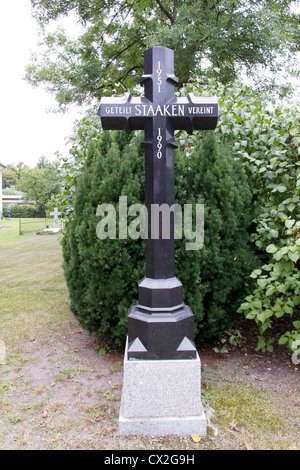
[194, 112]
[123, 113]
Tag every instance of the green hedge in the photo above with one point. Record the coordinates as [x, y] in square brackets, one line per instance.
[24, 211]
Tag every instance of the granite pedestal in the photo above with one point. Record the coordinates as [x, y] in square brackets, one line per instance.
[162, 398]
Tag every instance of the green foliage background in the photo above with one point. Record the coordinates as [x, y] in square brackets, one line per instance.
[265, 135]
[262, 136]
[212, 40]
[107, 56]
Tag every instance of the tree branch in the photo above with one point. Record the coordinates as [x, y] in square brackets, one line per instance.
[127, 72]
[175, 9]
[128, 46]
[166, 12]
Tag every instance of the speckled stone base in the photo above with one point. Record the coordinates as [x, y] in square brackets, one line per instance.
[161, 398]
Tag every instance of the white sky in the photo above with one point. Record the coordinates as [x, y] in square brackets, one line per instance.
[27, 130]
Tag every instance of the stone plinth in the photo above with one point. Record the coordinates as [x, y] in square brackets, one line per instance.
[162, 397]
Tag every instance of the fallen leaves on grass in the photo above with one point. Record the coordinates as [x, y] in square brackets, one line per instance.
[196, 438]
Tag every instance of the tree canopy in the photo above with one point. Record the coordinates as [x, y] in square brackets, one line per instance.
[107, 57]
[40, 183]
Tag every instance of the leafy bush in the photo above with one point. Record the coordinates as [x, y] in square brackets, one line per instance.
[265, 136]
[214, 278]
[25, 211]
[102, 275]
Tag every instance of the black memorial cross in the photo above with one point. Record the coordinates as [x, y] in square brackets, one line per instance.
[160, 326]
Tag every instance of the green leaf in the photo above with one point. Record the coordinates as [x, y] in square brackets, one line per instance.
[294, 131]
[244, 306]
[278, 255]
[281, 288]
[297, 300]
[271, 248]
[288, 309]
[255, 273]
[288, 266]
[257, 303]
[296, 141]
[283, 339]
[277, 307]
[250, 316]
[289, 223]
[262, 283]
[283, 251]
[265, 326]
[279, 313]
[296, 324]
[261, 342]
[270, 291]
[277, 268]
[280, 188]
[293, 256]
[291, 206]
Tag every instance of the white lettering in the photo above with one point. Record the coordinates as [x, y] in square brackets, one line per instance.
[150, 111]
[159, 80]
[106, 228]
[162, 229]
[159, 110]
[159, 144]
[200, 109]
[166, 222]
[138, 109]
[122, 217]
[117, 110]
[116, 460]
[198, 235]
[166, 112]
[138, 227]
[181, 110]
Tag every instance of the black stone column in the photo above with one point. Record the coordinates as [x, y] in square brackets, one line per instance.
[160, 326]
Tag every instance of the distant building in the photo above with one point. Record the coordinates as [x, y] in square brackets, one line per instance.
[11, 199]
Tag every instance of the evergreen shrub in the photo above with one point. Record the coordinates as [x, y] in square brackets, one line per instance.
[102, 275]
[215, 277]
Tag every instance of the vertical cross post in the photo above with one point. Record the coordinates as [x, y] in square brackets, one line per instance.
[160, 326]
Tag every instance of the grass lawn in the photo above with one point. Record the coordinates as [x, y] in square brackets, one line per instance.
[57, 391]
[33, 291]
